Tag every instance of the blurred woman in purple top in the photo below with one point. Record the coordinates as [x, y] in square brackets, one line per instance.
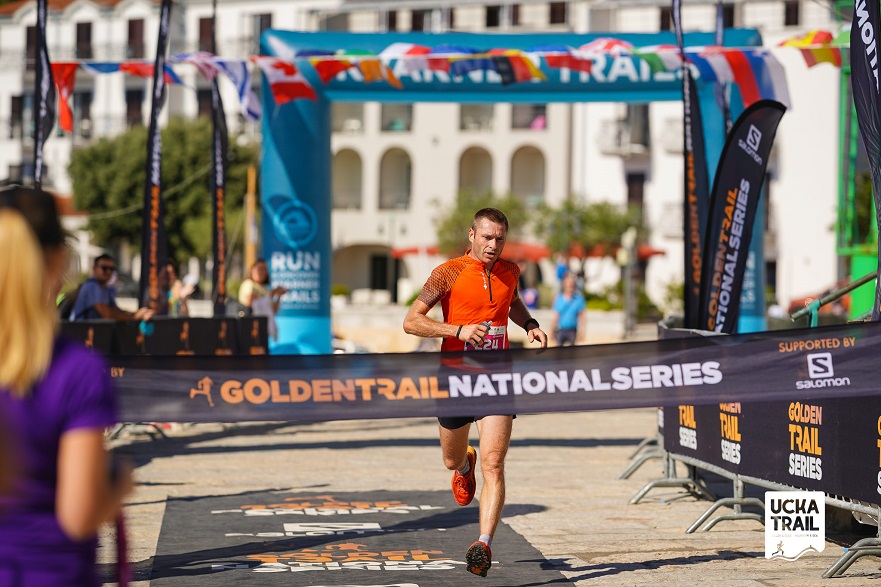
[55, 401]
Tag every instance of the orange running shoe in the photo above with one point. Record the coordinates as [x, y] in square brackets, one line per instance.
[479, 558]
[465, 485]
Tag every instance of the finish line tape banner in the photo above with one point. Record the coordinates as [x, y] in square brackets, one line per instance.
[837, 361]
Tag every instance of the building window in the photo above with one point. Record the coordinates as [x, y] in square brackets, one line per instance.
[135, 48]
[727, 15]
[82, 114]
[84, 40]
[638, 124]
[347, 117]
[16, 118]
[346, 186]
[334, 22]
[791, 13]
[134, 100]
[451, 18]
[493, 16]
[528, 176]
[475, 171]
[529, 116]
[395, 172]
[391, 20]
[636, 191]
[30, 49]
[476, 117]
[397, 117]
[666, 19]
[420, 20]
[259, 23]
[515, 14]
[557, 13]
[203, 97]
[206, 35]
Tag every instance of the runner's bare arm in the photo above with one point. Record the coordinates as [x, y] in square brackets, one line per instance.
[418, 323]
[521, 317]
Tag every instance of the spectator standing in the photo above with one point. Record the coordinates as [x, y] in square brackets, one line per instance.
[97, 297]
[256, 295]
[57, 399]
[173, 294]
[569, 305]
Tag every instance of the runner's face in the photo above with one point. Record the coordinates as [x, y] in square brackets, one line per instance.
[487, 241]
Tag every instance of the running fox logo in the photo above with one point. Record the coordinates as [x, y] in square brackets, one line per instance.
[203, 387]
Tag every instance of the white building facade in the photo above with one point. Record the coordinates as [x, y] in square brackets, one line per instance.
[395, 166]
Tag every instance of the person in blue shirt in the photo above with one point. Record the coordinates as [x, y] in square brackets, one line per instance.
[569, 325]
[97, 298]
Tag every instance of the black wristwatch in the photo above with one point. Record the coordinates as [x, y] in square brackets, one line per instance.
[528, 322]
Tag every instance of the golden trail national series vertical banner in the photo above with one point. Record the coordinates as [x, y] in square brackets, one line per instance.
[733, 206]
[153, 241]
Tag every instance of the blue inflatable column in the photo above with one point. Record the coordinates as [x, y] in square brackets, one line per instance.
[296, 206]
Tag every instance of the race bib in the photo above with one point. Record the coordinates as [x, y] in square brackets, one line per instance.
[495, 340]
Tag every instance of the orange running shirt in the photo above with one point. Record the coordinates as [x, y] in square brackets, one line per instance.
[469, 296]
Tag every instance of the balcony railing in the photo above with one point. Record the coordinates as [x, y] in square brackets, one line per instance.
[618, 137]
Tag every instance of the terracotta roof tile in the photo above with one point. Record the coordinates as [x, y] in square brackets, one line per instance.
[56, 5]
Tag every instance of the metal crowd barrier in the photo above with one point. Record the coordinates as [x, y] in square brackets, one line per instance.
[819, 445]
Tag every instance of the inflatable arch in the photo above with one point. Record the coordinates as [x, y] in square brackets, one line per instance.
[296, 167]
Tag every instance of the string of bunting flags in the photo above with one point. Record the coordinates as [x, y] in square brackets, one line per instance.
[755, 71]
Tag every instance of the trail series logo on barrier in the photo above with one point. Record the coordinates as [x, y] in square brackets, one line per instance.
[795, 523]
[260, 391]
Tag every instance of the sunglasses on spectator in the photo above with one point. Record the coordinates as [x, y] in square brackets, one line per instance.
[106, 267]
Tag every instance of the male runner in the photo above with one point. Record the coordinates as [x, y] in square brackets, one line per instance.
[478, 294]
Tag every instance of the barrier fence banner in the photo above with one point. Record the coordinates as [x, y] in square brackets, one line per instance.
[867, 100]
[734, 202]
[153, 238]
[822, 444]
[800, 365]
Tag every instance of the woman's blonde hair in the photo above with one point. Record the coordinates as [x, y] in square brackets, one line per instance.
[28, 319]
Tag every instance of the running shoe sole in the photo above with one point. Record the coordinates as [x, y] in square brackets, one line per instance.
[478, 559]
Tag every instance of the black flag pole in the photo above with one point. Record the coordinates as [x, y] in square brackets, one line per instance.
[44, 91]
[219, 147]
[696, 182]
[864, 72]
[153, 238]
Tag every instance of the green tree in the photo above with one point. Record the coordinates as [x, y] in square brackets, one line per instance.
[109, 178]
[453, 222]
[596, 226]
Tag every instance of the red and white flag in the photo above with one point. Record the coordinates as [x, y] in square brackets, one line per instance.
[285, 81]
[64, 74]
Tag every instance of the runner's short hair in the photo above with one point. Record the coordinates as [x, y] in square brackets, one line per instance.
[492, 214]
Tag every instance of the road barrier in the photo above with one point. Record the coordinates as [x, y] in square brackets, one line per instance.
[809, 441]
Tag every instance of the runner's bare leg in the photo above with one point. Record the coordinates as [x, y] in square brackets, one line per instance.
[454, 446]
[495, 436]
